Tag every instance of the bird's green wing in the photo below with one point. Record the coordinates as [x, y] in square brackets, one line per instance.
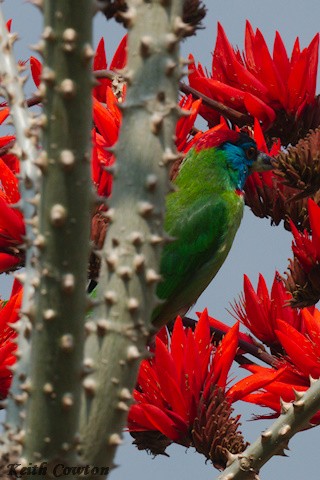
[203, 239]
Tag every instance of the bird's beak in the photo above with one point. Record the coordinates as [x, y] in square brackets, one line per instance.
[263, 163]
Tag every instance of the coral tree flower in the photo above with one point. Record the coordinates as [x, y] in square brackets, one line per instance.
[304, 270]
[301, 360]
[8, 315]
[182, 394]
[280, 193]
[260, 310]
[269, 87]
[12, 227]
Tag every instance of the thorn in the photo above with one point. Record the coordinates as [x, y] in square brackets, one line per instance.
[90, 327]
[139, 262]
[156, 122]
[169, 156]
[115, 439]
[266, 435]
[230, 457]
[48, 34]
[180, 27]
[67, 342]
[125, 273]
[111, 297]
[298, 394]
[68, 283]
[129, 16]
[298, 404]
[39, 241]
[152, 276]
[312, 380]
[133, 305]
[133, 353]
[102, 326]
[112, 261]
[156, 239]
[125, 394]
[145, 208]
[151, 182]
[49, 314]
[285, 406]
[42, 161]
[58, 215]
[122, 406]
[136, 238]
[89, 386]
[69, 37]
[284, 430]
[146, 45]
[67, 159]
[67, 401]
[68, 88]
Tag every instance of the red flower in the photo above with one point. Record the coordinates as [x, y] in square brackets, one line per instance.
[305, 248]
[183, 380]
[259, 310]
[100, 63]
[301, 360]
[184, 140]
[8, 315]
[12, 227]
[256, 81]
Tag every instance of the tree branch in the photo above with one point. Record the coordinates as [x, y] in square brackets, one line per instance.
[275, 439]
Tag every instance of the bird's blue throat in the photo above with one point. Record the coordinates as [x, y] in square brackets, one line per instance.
[238, 162]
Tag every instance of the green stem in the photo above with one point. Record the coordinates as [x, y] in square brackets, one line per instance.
[63, 237]
[122, 324]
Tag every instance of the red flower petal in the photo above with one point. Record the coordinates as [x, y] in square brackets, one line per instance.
[36, 70]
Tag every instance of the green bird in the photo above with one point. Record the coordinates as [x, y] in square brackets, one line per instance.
[203, 215]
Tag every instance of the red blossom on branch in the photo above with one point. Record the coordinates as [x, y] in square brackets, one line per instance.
[301, 360]
[9, 314]
[183, 392]
[304, 270]
[259, 310]
[275, 89]
[12, 227]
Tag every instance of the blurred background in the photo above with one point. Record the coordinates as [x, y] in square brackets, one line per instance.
[258, 247]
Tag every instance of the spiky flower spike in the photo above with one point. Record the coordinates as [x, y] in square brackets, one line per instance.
[215, 432]
[281, 193]
[303, 277]
[299, 166]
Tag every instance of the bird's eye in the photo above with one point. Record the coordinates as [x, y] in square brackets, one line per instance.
[251, 153]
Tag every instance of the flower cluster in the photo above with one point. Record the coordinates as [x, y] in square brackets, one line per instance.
[182, 394]
[277, 90]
